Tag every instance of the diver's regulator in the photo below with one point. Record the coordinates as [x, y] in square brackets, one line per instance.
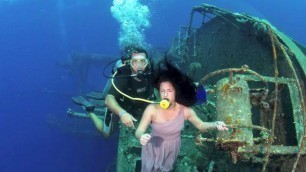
[165, 104]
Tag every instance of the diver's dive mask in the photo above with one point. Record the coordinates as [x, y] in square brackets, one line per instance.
[165, 104]
[139, 63]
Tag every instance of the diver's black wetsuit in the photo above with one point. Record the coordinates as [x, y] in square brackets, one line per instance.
[134, 88]
[138, 89]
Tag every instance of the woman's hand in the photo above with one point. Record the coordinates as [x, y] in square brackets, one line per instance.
[144, 139]
[220, 125]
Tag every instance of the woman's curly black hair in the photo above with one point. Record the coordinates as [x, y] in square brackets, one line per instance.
[184, 86]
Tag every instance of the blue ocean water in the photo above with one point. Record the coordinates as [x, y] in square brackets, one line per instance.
[35, 36]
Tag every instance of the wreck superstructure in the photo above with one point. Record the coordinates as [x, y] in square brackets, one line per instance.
[255, 77]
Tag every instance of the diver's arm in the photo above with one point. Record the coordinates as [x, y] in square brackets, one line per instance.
[126, 118]
[97, 121]
[112, 104]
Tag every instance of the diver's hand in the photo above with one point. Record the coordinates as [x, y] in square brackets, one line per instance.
[144, 139]
[127, 119]
[220, 125]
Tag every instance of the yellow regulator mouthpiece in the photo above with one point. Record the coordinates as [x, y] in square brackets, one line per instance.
[164, 104]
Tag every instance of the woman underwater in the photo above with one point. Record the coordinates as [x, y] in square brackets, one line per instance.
[161, 147]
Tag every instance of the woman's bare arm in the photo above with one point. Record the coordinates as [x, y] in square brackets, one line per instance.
[145, 120]
[201, 125]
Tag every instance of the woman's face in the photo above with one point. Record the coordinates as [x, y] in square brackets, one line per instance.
[167, 91]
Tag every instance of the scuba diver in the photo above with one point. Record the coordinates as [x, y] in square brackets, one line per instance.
[131, 81]
[126, 94]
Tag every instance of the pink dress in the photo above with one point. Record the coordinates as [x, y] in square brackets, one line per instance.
[160, 153]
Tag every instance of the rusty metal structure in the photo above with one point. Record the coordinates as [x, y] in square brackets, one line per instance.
[267, 123]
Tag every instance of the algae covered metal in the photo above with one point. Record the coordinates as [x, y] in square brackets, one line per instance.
[263, 103]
